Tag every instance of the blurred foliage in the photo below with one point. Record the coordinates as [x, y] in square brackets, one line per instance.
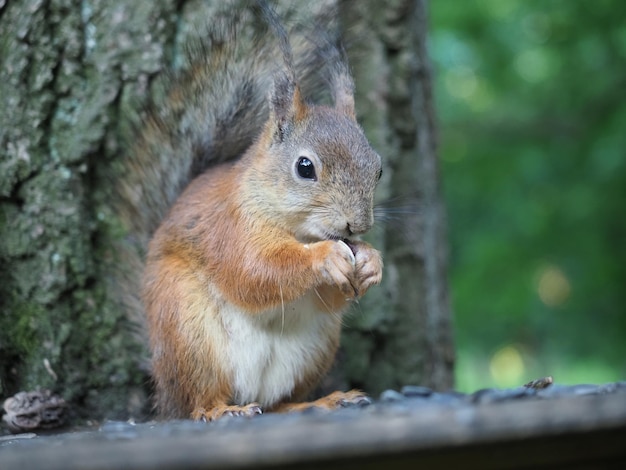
[532, 106]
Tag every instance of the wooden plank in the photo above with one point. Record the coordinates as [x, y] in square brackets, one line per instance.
[575, 432]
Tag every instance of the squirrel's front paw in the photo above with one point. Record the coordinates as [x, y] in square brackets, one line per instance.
[369, 266]
[336, 264]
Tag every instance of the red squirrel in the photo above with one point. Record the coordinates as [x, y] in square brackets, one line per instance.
[248, 274]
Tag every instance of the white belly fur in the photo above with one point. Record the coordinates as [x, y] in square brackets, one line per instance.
[268, 352]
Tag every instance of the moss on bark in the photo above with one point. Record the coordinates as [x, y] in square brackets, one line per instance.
[71, 74]
[73, 78]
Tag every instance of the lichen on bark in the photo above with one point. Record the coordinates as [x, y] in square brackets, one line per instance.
[70, 75]
[74, 77]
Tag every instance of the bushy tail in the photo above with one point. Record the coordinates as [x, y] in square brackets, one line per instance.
[209, 113]
[213, 109]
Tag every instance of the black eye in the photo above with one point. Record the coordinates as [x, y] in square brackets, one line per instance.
[380, 174]
[306, 169]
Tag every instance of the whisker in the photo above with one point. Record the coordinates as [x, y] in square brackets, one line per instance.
[328, 309]
[384, 211]
[354, 306]
[393, 213]
[400, 214]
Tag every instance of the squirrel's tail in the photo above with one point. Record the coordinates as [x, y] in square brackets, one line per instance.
[213, 109]
[210, 112]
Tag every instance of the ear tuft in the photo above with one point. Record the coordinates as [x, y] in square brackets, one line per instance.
[286, 104]
[338, 75]
[343, 92]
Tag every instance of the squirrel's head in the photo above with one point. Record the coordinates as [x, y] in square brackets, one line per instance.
[320, 168]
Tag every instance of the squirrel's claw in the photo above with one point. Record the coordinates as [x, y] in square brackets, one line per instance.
[217, 412]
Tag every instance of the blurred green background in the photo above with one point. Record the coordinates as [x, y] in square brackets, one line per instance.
[531, 97]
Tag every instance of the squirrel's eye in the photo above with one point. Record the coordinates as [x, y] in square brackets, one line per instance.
[380, 174]
[305, 168]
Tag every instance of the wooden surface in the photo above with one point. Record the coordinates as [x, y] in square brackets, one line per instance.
[573, 432]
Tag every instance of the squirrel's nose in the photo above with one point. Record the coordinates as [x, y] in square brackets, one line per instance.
[358, 228]
[359, 221]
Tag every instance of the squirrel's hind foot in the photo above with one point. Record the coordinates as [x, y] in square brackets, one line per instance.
[217, 412]
[329, 402]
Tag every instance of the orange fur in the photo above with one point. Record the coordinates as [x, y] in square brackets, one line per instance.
[255, 273]
[247, 276]
[329, 402]
[201, 243]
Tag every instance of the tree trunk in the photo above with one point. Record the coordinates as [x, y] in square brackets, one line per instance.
[73, 76]
[401, 333]
[69, 72]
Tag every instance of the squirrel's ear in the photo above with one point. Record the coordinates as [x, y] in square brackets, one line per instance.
[286, 105]
[343, 92]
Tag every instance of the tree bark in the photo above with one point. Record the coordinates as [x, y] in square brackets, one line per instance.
[401, 333]
[70, 74]
[73, 77]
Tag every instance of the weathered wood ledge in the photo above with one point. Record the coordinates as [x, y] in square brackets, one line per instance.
[573, 431]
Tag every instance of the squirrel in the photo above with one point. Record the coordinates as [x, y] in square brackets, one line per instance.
[250, 270]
